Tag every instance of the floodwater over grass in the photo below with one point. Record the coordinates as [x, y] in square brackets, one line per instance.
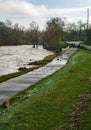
[14, 57]
[48, 104]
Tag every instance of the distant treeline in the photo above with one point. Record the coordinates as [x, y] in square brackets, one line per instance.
[56, 31]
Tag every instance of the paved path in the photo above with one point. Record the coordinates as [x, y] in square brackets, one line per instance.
[13, 86]
[77, 44]
[85, 46]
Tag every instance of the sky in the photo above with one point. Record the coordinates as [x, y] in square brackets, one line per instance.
[40, 11]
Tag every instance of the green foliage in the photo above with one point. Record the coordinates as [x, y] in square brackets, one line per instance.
[53, 34]
[16, 36]
[62, 44]
[9, 36]
[55, 31]
[47, 105]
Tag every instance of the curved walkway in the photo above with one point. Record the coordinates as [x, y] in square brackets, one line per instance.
[13, 86]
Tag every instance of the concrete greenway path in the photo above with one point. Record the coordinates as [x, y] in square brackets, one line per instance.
[13, 86]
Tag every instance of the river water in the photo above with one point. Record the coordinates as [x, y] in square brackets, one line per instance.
[14, 57]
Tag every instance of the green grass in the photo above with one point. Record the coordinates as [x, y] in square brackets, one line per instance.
[62, 44]
[23, 71]
[85, 119]
[86, 43]
[47, 104]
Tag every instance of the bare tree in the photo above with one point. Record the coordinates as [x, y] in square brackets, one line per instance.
[34, 33]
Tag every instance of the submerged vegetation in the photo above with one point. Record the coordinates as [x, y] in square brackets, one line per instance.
[56, 31]
[26, 70]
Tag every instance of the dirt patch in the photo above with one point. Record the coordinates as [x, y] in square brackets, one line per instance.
[80, 108]
[35, 63]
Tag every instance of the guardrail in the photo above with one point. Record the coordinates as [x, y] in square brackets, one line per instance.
[86, 47]
[77, 44]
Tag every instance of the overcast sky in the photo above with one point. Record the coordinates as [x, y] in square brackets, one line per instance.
[25, 11]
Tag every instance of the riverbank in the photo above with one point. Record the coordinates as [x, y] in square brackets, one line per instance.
[49, 103]
[18, 84]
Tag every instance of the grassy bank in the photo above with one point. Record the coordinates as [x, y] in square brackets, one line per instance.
[48, 104]
[86, 43]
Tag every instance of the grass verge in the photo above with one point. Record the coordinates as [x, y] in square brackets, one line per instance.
[48, 104]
